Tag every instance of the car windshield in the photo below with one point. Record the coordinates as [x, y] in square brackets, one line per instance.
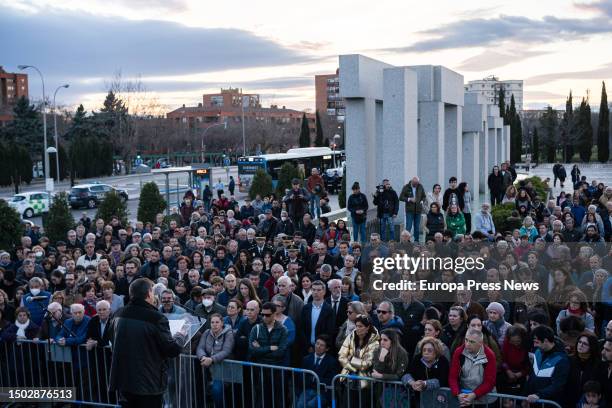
[18, 198]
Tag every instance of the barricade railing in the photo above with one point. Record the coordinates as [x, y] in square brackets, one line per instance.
[31, 363]
[241, 384]
[356, 391]
[443, 398]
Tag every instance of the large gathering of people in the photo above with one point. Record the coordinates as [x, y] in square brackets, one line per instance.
[276, 282]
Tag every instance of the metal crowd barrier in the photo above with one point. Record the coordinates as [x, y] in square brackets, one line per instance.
[355, 391]
[442, 398]
[241, 384]
[28, 363]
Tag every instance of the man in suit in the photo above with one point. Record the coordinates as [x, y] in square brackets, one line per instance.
[325, 365]
[318, 258]
[97, 330]
[317, 318]
[337, 302]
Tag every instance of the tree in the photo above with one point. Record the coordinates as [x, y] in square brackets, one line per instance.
[568, 130]
[516, 133]
[64, 164]
[59, 219]
[15, 165]
[151, 202]
[261, 184]
[585, 131]
[286, 173]
[501, 102]
[603, 127]
[549, 130]
[535, 155]
[319, 140]
[26, 128]
[304, 140]
[10, 225]
[342, 193]
[112, 206]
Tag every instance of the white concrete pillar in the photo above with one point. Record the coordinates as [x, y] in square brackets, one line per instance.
[500, 143]
[471, 161]
[360, 142]
[431, 143]
[452, 142]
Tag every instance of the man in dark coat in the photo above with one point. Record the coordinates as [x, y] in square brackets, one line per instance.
[142, 345]
[297, 202]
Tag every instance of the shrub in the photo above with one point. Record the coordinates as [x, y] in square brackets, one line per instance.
[10, 225]
[113, 206]
[286, 173]
[538, 185]
[59, 218]
[151, 203]
[500, 214]
[262, 184]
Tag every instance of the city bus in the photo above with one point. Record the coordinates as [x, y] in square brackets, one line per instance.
[304, 158]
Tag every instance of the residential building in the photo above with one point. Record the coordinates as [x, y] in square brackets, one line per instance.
[327, 96]
[489, 87]
[12, 87]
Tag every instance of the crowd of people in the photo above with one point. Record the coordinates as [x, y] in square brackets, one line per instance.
[277, 283]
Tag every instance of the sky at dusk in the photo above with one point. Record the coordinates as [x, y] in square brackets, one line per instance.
[181, 49]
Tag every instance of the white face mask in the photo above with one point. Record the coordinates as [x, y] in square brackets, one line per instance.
[39, 254]
[207, 302]
[35, 292]
[284, 218]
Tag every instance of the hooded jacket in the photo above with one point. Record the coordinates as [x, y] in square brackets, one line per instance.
[218, 348]
[549, 374]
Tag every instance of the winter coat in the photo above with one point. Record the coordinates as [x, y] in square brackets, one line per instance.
[456, 223]
[139, 367]
[434, 375]
[296, 205]
[276, 337]
[365, 356]
[358, 202]
[477, 373]
[496, 183]
[386, 202]
[385, 367]
[549, 374]
[218, 348]
[416, 206]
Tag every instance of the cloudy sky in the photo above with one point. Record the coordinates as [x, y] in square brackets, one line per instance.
[183, 48]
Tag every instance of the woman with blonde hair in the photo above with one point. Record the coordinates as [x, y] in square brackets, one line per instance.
[429, 368]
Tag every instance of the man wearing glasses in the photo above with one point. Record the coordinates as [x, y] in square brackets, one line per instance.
[90, 257]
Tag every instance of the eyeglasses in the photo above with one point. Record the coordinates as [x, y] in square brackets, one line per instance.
[382, 311]
[583, 343]
[266, 314]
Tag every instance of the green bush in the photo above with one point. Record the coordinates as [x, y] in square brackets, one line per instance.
[500, 214]
[151, 203]
[113, 205]
[286, 173]
[538, 185]
[261, 184]
[59, 218]
[10, 225]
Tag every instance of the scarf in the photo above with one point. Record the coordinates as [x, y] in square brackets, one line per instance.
[21, 328]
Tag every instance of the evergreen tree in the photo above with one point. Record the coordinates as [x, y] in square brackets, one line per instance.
[59, 219]
[516, 132]
[501, 102]
[26, 128]
[286, 173]
[568, 129]
[319, 140]
[549, 130]
[585, 131]
[261, 184]
[64, 163]
[535, 155]
[10, 225]
[15, 165]
[304, 133]
[151, 202]
[342, 193]
[113, 205]
[603, 127]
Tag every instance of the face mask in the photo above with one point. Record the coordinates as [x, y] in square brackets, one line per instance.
[35, 292]
[39, 254]
[207, 302]
[284, 218]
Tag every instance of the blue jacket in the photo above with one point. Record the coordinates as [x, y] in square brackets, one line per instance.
[276, 337]
[79, 331]
[578, 211]
[396, 323]
[549, 374]
[37, 308]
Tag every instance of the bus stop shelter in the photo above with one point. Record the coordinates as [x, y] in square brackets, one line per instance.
[199, 175]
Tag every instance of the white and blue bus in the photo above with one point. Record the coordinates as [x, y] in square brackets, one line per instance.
[305, 159]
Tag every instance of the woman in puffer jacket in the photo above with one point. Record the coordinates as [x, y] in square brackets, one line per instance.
[216, 345]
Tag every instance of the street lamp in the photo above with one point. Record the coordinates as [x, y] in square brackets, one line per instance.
[57, 167]
[45, 154]
[224, 124]
[337, 138]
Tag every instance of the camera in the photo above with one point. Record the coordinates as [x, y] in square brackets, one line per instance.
[380, 188]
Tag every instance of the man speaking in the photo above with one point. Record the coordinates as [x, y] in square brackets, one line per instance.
[141, 347]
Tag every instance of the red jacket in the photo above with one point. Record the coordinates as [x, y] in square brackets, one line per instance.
[312, 181]
[515, 358]
[489, 377]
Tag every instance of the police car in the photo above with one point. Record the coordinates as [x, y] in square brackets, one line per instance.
[90, 195]
[31, 203]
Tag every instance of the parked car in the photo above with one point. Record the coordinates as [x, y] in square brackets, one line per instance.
[90, 195]
[141, 169]
[31, 203]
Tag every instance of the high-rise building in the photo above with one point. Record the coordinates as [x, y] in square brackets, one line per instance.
[489, 87]
[327, 96]
[12, 87]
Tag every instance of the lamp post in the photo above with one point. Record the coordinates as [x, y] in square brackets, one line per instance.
[45, 153]
[337, 138]
[57, 166]
[224, 124]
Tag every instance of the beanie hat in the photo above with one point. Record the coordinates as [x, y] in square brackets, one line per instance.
[496, 306]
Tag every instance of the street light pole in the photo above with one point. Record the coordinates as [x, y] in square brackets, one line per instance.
[57, 167]
[244, 98]
[224, 124]
[45, 153]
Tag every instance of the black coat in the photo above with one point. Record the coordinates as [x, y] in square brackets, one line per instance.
[341, 316]
[386, 202]
[496, 183]
[93, 331]
[325, 324]
[142, 345]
